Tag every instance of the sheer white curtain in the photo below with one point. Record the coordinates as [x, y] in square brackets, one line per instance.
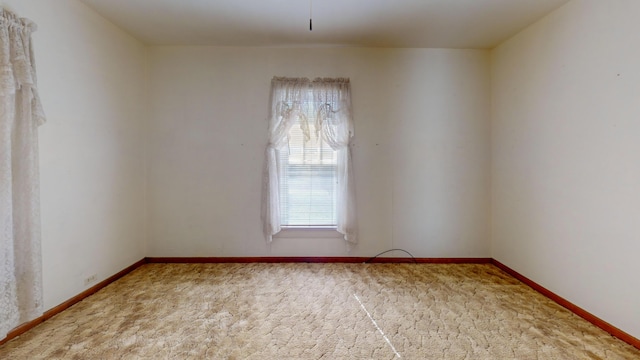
[330, 101]
[20, 116]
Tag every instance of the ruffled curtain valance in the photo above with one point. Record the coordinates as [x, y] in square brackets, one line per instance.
[17, 65]
[329, 100]
[20, 115]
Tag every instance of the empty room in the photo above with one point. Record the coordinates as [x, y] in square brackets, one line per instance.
[319, 179]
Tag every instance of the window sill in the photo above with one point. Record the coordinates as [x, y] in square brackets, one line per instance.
[308, 232]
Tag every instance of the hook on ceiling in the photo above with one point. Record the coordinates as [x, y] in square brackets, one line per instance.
[310, 15]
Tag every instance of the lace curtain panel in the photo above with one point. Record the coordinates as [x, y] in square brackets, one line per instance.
[20, 116]
[329, 100]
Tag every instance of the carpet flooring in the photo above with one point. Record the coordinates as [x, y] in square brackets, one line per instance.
[317, 311]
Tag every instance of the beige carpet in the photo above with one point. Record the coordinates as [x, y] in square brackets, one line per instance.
[317, 311]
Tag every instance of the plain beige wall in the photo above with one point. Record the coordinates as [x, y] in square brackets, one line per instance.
[421, 152]
[91, 80]
[566, 156]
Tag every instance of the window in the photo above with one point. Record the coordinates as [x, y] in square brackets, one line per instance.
[308, 178]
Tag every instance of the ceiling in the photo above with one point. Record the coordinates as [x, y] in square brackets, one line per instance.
[369, 23]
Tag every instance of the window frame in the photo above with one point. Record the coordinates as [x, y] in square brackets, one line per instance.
[289, 232]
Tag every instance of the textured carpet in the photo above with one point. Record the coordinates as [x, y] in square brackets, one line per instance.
[317, 311]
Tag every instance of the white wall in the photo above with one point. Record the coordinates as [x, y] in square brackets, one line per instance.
[91, 80]
[421, 149]
[566, 165]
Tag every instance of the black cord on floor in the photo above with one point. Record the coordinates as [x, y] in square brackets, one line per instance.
[384, 252]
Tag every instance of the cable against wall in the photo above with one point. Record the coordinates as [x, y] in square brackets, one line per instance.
[384, 252]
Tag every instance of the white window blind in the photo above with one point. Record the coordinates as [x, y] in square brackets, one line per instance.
[307, 180]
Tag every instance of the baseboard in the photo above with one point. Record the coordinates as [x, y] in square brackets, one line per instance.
[303, 259]
[21, 329]
[614, 331]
